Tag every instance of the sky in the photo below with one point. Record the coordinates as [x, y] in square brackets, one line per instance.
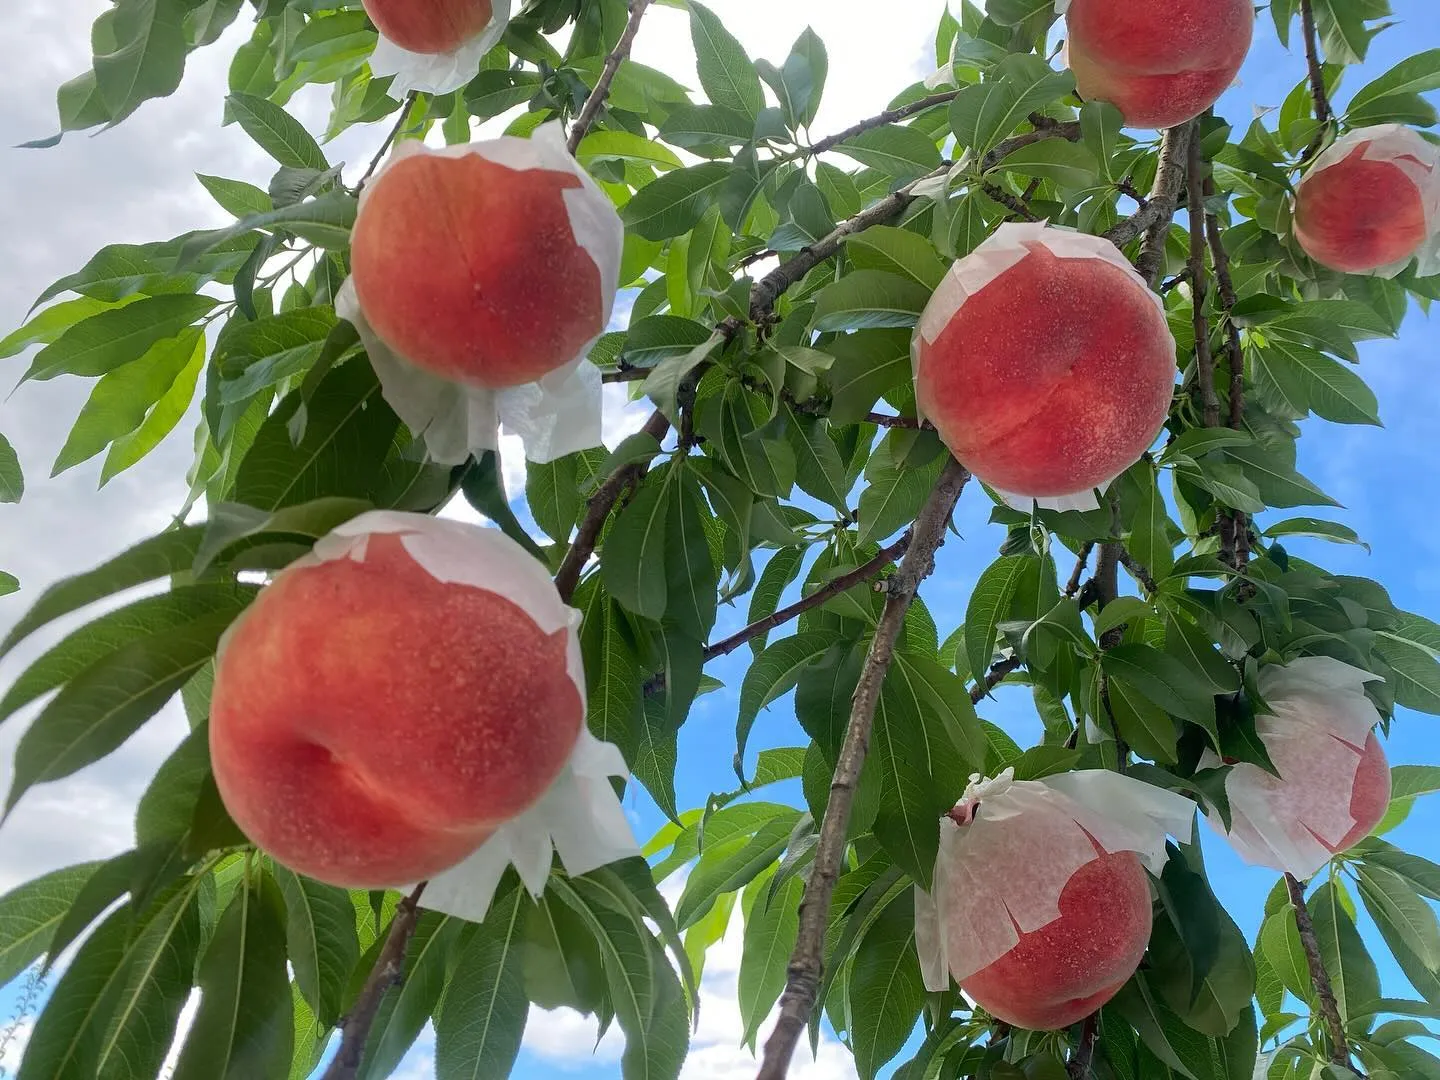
[135, 184]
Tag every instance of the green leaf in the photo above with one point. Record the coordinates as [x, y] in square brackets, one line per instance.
[896, 151]
[552, 491]
[1163, 680]
[162, 419]
[633, 559]
[348, 431]
[171, 552]
[675, 203]
[145, 57]
[989, 602]
[243, 1028]
[779, 573]
[982, 115]
[613, 676]
[276, 132]
[122, 398]
[885, 990]
[1070, 165]
[429, 961]
[115, 629]
[159, 966]
[867, 299]
[1296, 381]
[107, 703]
[482, 1017]
[49, 324]
[726, 73]
[12, 480]
[727, 866]
[320, 940]
[896, 251]
[765, 465]
[1353, 976]
[895, 494]
[868, 364]
[112, 338]
[236, 197]
[30, 913]
[66, 1041]
[1278, 482]
[771, 929]
[1322, 530]
[624, 146]
[692, 577]
[773, 674]
[1391, 901]
[1416, 681]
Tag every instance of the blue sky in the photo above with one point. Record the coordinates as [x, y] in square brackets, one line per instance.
[1385, 478]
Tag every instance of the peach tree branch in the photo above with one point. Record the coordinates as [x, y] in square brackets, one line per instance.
[596, 101]
[389, 970]
[405, 107]
[890, 116]
[807, 961]
[1323, 112]
[1319, 977]
[1200, 285]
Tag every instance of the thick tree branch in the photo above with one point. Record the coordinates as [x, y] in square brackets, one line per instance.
[596, 101]
[1234, 524]
[807, 961]
[388, 971]
[1155, 215]
[890, 116]
[1200, 287]
[1319, 977]
[828, 591]
[1323, 113]
[1078, 1067]
[567, 578]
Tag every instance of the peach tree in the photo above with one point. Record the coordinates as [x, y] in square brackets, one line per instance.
[995, 288]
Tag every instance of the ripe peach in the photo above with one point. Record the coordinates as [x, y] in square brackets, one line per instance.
[1062, 972]
[1362, 207]
[372, 725]
[471, 270]
[1161, 63]
[429, 26]
[1333, 782]
[1053, 375]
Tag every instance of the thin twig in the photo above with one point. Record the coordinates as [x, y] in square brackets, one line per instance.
[388, 971]
[1078, 1067]
[596, 101]
[624, 375]
[1017, 206]
[1160, 207]
[806, 962]
[1045, 128]
[890, 116]
[1200, 286]
[1319, 977]
[1228, 299]
[1323, 113]
[908, 422]
[1138, 571]
[828, 591]
[567, 578]
[1073, 585]
[993, 678]
[405, 107]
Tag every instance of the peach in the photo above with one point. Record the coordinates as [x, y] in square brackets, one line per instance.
[1333, 786]
[1061, 973]
[471, 270]
[372, 725]
[1361, 209]
[1161, 63]
[1051, 376]
[430, 26]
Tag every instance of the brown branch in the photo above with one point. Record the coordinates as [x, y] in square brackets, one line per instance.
[1073, 585]
[908, 422]
[890, 116]
[1155, 216]
[624, 375]
[1200, 286]
[1319, 977]
[1078, 1067]
[1018, 207]
[831, 589]
[1323, 113]
[388, 971]
[806, 962]
[1045, 128]
[405, 107]
[1138, 571]
[993, 678]
[596, 101]
[567, 578]
[1228, 299]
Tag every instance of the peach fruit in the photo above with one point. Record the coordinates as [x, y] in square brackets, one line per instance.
[471, 270]
[372, 725]
[430, 26]
[1356, 213]
[1061, 973]
[1161, 63]
[1056, 375]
